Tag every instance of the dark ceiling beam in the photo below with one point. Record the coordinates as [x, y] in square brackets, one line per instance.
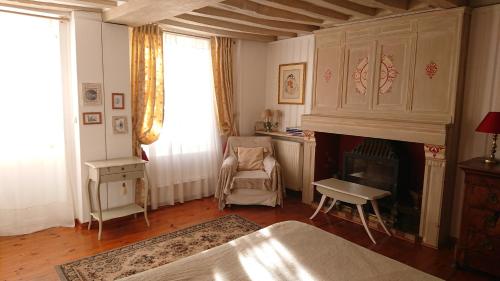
[226, 14]
[397, 5]
[311, 8]
[234, 26]
[218, 32]
[268, 11]
[354, 7]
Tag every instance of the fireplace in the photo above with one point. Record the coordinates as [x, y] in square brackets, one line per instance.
[396, 166]
[427, 189]
[375, 163]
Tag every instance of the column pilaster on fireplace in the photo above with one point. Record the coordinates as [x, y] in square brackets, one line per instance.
[308, 167]
[432, 197]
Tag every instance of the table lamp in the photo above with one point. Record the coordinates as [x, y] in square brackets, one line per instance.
[491, 125]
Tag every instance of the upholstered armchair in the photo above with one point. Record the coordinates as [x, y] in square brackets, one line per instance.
[257, 181]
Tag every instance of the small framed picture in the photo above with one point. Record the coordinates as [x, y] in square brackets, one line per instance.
[292, 78]
[90, 118]
[120, 124]
[118, 101]
[91, 94]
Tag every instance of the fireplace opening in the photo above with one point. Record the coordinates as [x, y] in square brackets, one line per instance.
[395, 166]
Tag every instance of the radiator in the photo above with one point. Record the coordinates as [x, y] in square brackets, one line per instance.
[289, 155]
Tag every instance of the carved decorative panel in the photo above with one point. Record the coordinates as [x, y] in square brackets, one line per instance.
[328, 76]
[393, 74]
[359, 61]
[435, 66]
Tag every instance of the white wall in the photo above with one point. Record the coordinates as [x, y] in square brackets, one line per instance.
[250, 79]
[481, 95]
[116, 62]
[91, 42]
[294, 50]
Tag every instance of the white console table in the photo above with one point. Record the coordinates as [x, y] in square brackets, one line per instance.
[113, 170]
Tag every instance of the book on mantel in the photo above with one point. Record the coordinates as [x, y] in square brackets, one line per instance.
[294, 131]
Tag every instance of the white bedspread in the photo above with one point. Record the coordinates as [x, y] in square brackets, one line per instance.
[288, 250]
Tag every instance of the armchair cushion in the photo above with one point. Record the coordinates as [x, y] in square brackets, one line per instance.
[250, 158]
[252, 180]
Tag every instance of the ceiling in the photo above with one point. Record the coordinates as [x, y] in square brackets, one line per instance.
[260, 20]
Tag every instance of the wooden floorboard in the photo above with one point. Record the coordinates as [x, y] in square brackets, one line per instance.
[33, 256]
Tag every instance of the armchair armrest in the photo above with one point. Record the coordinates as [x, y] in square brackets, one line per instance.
[269, 164]
[230, 163]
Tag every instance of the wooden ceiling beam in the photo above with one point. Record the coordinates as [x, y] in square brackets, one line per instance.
[446, 4]
[394, 5]
[139, 12]
[218, 32]
[86, 3]
[211, 22]
[47, 6]
[480, 3]
[311, 8]
[354, 7]
[222, 13]
[268, 11]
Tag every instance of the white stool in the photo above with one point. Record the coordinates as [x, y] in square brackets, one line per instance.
[351, 193]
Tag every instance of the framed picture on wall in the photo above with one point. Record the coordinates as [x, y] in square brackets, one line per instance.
[91, 118]
[91, 94]
[118, 101]
[291, 83]
[120, 125]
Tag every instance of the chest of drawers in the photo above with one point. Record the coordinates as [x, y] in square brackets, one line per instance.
[479, 243]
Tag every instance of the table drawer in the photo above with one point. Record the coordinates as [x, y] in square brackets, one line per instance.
[484, 197]
[482, 220]
[491, 182]
[122, 176]
[482, 253]
[121, 169]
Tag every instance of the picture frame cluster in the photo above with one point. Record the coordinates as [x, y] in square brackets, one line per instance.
[91, 95]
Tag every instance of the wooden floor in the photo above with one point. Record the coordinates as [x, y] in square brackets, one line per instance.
[33, 256]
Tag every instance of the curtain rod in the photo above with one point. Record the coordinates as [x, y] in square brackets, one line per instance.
[34, 15]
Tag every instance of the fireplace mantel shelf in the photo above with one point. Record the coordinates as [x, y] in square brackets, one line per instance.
[430, 133]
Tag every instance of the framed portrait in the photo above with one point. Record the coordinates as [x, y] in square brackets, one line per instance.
[120, 124]
[118, 101]
[291, 80]
[90, 118]
[91, 94]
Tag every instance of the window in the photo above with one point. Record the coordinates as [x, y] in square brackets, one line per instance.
[33, 178]
[188, 150]
[189, 125]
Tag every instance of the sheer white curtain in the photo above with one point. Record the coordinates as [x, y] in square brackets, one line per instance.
[184, 162]
[34, 187]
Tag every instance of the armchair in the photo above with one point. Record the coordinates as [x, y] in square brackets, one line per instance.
[255, 187]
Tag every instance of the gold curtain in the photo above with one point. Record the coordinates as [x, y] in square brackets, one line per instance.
[147, 91]
[147, 85]
[222, 64]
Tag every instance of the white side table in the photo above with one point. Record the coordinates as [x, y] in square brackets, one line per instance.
[351, 193]
[113, 170]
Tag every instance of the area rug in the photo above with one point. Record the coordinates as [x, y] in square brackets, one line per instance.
[153, 252]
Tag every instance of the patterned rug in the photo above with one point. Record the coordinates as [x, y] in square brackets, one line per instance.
[153, 252]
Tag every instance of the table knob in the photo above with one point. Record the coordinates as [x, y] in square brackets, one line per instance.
[124, 176]
[123, 168]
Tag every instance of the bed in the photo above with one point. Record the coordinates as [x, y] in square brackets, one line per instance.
[288, 250]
